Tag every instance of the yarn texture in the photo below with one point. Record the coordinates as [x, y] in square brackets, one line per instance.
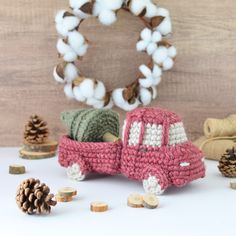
[154, 150]
[220, 135]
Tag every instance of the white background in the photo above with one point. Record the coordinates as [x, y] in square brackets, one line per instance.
[204, 207]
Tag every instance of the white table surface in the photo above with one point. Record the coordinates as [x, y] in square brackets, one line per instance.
[204, 207]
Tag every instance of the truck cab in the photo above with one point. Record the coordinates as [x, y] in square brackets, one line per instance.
[157, 152]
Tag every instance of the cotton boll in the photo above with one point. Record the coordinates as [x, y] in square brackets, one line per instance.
[97, 8]
[151, 10]
[100, 90]
[156, 71]
[110, 104]
[61, 30]
[71, 72]
[68, 90]
[77, 3]
[117, 96]
[82, 50]
[160, 54]
[57, 77]
[137, 6]
[168, 64]
[172, 52]
[107, 17]
[154, 92]
[162, 12]
[75, 40]
[112, 5]
[145, 70]
[156, 37]
[156, 81]
[145, 96]
[165, 27]
[95, 103]
[151, 48]
[141, 45]
[146, 34]
[59, 16]
[68, 54]
[78, 94]
[87, 88]
[70, 22]
[129, 107]
[146, 82]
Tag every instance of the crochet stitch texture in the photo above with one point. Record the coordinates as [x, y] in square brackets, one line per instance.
[154, 150]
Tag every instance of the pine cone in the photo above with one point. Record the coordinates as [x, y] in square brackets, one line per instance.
[36, 131]
[33, 197]
[227, 163]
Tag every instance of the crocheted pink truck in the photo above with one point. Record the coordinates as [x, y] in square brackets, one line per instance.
[154, 150]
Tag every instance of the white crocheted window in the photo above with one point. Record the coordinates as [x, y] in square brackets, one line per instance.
[152, 135]
[177, 134]
[134, 133]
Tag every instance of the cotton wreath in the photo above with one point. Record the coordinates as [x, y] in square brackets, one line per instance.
[72, 45]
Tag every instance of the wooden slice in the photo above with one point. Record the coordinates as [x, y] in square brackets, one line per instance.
[67, 192]
[48, 146]
[150, 201]
[135, 200]
[233, 185]
[60, 198]
[98, 207]
[35, 155]
[16, 169]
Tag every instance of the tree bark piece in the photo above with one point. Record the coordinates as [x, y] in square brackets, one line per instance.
[16, 169]
[150, 201]
[36, 155]
[67, 192]
[49, 146]
[98, 207]
[135, 200]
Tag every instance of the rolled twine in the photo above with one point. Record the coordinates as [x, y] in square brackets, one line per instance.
[220, 134]
[220, 127]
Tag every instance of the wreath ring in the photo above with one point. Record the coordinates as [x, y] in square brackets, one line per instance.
[72, 45]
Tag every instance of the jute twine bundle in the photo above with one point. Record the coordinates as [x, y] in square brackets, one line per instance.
[220, 134]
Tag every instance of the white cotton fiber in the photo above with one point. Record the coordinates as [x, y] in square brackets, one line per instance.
[75, 39]
[57, 77]
[117, 96]
[130, 107]
[160, 54]
[151, 10]
[87, 88]
[146, 34]
[145, 96]
[59, 16]
[100, 90]
[165, 27]
[95, 102]
[162, 12]
[68, 54]
[110, 104]
[68, 90]
[151, 48]
[145, 70]
[77, 3]
[156, 37]
[137, 6]
[172, 52]
[141, 45]
[146, 82]
[97, 8]
[156, 81]
[111, 5]
[107, 17]
[156, 71]
[154, 92]
[71, 72]
[168, 64]
[82, 50]
[78, 95]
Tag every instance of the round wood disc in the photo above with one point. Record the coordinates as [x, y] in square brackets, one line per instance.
[35, 155]
[16, 169]
[60, 198]
[150, 201]
[49, 146]
[67, 192]
[98, 207]
[135, 200]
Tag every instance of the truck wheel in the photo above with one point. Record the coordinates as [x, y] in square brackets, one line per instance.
[74, 172]
[153, 185]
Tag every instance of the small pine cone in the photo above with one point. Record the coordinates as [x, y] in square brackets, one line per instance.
[227, 163]
[33, 197]
[36, 131]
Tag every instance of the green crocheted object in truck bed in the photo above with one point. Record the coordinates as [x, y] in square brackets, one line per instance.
[91, 124]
